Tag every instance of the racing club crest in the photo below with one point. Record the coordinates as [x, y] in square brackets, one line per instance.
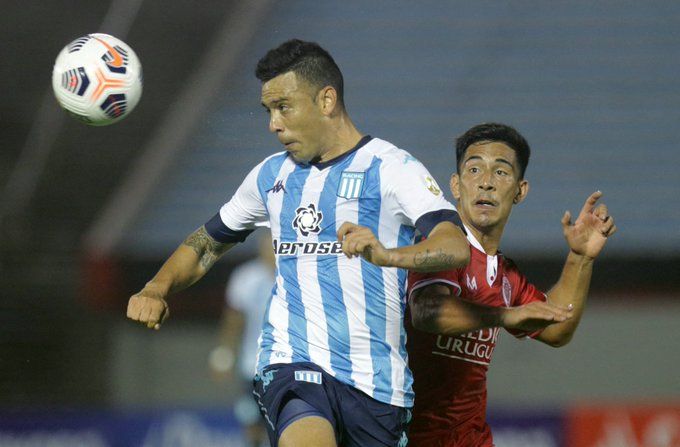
[507, 291]
[307, 220]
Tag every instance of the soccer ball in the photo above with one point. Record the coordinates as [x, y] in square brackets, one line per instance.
[97, 79]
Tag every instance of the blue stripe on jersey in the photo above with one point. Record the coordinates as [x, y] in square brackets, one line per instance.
[297, 322]
[406, 234]
[374, 288]
[327, 272]
[267, 176]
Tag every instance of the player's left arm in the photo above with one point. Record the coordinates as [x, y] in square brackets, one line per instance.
[413, 197]
[586, 237]
[445, 248]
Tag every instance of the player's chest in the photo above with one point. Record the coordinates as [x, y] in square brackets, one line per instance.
[314, 202]
[484, 281]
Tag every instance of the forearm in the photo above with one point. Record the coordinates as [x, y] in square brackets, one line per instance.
[571, 289]
[190, 261]
[445, 248]
[436, 310]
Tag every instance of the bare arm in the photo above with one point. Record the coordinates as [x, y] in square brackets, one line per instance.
[436, 309]
[586, 238]
[445, 248]
[190, 261]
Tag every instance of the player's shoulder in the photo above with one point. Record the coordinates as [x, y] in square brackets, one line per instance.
[269, 167]
[389, 154]
[277, 158]
[510, 264]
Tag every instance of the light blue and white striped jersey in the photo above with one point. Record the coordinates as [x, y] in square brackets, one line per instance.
[345, 315]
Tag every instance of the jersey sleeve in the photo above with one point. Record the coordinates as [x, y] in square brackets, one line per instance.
[244, 212]
[523, 293]
[418, 280]
[412, 193]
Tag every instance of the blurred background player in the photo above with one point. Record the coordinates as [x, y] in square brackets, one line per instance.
[461, 310]
[332, 365]
[234, 359]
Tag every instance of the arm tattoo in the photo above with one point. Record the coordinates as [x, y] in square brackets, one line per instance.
[432, 260]
[207, 248]
[426, 312]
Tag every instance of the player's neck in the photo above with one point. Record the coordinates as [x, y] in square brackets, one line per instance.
[343, 136]
[488, 238]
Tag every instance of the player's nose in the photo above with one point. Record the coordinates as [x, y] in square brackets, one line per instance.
[486, 182]
[275, 124]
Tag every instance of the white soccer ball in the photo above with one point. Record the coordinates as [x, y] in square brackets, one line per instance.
[97, 79]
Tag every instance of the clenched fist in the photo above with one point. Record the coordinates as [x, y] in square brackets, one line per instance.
[148, 308]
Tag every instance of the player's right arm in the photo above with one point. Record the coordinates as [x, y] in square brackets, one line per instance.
[190, 261]
[200, 250]
[437, 309]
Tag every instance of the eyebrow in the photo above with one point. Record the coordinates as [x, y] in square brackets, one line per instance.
[499, 160]
[274, 102]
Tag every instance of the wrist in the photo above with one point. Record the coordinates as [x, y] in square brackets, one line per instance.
[155, 290]
[579, 258]
[392, 258]
[499, 318]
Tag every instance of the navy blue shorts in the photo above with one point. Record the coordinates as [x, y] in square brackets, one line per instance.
[287, 392]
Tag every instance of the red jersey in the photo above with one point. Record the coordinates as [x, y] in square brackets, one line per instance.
[450, 371]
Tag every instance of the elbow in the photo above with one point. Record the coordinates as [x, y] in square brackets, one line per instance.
[425, 323]
[559, 341]
[465, 258]
[462, 249]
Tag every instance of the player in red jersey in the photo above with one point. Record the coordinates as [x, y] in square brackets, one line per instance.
[455, 315]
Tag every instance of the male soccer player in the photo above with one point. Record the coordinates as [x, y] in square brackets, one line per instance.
[456, 314]
[332, 359]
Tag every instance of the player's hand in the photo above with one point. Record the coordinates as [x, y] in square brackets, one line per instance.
[148, 308]
[534, 316]
[360, 241]
[588, 234]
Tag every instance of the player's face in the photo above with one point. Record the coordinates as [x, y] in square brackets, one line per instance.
[488, 185]
[294, 115]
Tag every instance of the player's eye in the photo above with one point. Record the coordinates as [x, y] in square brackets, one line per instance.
[501, 172]
[474, 170]
[283, 107]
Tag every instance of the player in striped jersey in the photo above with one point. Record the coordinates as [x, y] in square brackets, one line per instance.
[343, 208]
[456, 314]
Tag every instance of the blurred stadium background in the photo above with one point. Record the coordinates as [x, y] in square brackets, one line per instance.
[88, 214]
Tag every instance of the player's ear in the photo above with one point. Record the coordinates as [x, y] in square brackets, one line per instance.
[523, 190]
[455, 186]
[327, 99]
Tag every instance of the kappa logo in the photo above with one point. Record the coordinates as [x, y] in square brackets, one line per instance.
[307, 220]
[278, 187]
[471, 284]
[409, 158]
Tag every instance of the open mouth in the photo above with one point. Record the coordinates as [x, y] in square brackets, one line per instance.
[485, 203]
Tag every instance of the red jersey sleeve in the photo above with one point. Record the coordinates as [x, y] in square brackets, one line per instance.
[523, 292]
[418, 280]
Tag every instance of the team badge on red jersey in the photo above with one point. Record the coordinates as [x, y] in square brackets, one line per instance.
[506, 291]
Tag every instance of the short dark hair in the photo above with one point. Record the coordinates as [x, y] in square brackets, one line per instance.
[494, 132]
[307, 60]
